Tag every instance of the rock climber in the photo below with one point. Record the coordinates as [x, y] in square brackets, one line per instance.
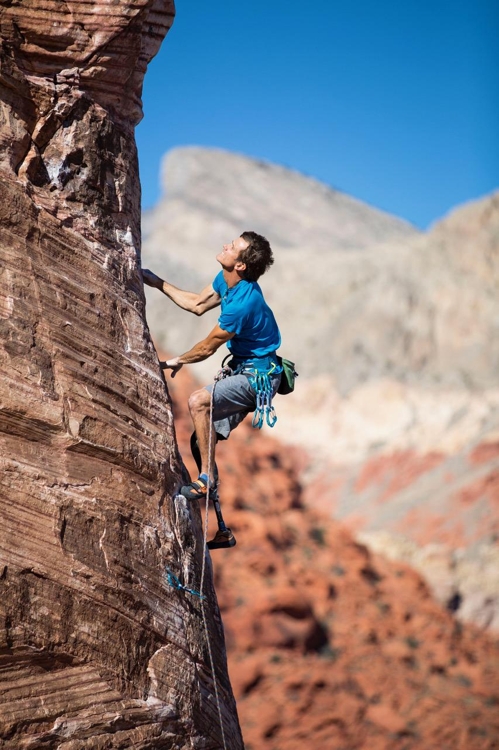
[247, 326]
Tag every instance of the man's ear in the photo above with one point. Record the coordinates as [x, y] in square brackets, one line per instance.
[240, 266]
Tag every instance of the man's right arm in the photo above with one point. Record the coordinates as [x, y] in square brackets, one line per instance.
[190, 301]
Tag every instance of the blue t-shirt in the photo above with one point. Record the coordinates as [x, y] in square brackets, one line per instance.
[245, 313]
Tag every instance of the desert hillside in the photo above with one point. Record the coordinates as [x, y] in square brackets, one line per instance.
[331, 645]
[395, 335]
[359, 294]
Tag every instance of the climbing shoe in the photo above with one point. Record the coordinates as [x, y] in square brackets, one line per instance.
[196, 490]
[222, 540]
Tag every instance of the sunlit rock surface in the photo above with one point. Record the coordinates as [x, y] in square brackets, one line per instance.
[96, 649]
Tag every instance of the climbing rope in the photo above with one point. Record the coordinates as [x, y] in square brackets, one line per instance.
[262, 385]
[224, 372]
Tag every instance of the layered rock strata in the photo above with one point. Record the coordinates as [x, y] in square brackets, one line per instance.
[96, 648]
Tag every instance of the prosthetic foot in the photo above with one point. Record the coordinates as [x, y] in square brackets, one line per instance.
[222, 540]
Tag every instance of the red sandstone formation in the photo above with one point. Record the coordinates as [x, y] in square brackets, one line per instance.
[436, 512]
[426, 497]
[96, 649]
[331, 646]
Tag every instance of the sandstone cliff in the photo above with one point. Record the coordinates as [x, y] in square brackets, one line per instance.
[96, 649]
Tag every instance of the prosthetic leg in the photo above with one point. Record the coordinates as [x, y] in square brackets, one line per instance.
[224, 537]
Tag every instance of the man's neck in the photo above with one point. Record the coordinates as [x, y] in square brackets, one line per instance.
[232, 278]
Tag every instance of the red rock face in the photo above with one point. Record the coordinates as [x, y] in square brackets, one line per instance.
[331, 646]
[71, 85]
[96, 648]
[427, 498]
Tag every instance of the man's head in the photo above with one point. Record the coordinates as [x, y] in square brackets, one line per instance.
[250, 255]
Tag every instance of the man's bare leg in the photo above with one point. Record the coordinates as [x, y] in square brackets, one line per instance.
[199, 408]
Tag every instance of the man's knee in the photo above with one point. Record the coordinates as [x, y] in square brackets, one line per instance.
[199, 400]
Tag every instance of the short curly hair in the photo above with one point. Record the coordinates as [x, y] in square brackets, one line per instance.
[258, 256]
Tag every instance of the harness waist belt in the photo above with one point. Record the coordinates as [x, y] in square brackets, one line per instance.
[269, 362]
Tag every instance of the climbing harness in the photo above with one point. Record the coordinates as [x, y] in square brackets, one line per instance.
[222, 527]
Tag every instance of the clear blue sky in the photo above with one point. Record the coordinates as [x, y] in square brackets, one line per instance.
[393, 102]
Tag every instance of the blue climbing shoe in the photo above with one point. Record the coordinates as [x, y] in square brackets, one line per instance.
[196, 490]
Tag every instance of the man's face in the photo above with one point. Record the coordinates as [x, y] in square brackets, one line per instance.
[228, 258]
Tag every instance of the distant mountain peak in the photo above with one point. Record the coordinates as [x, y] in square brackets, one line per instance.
[277, 201]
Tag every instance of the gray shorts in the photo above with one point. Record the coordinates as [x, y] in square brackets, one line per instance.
[234, 399]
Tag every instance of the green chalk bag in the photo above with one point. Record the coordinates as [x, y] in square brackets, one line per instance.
[289, 374]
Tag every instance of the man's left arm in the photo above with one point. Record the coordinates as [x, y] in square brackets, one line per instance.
[200, 351]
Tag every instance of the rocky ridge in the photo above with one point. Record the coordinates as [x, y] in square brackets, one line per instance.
[366, 295]
[212, 195]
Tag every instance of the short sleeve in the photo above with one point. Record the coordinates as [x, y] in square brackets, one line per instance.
[217, 283]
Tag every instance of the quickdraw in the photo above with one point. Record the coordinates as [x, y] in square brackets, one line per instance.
[176, 584]
[262, 385]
